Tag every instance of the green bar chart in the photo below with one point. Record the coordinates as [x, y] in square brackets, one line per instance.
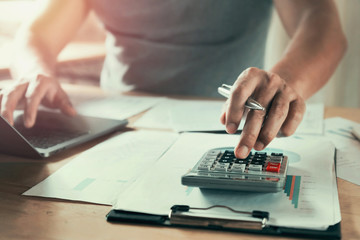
[292, 189]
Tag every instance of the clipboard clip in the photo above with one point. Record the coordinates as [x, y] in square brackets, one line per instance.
[181, 215]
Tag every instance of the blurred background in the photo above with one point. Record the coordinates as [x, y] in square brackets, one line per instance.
[81, 61]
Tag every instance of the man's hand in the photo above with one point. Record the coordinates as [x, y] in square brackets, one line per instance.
[31, 92]
[285, 109]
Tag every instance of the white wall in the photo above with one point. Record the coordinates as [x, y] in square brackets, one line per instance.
[343, 89]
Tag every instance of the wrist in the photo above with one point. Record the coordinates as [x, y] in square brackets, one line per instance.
[297, 80]
[31, 70]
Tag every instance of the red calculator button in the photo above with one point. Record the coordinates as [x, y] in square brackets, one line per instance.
[273, 168]
[274, 164]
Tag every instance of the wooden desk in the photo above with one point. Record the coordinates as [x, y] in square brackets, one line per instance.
[40, 218]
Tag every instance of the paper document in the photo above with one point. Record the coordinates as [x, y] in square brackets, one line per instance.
[199, 115]
[184, 115]
[195, 115]
[348, 160]
[313, 121]
[310, 200]
[114, 107]
[100, 173]
[157, 117]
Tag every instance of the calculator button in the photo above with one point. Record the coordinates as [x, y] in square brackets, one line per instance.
[276, 159]
[273, 168]
[229, 152]
[238, 167]
[277, 154]
[221, 167]
[274, 164]
[260, 154]
[241, 161]
[227, 158]
[204, 167]
[213, 153]
[253, 167]
[207, 161]
[225, 161]
[257, 163]
[258, 160]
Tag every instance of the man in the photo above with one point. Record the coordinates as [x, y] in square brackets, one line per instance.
[188, 47]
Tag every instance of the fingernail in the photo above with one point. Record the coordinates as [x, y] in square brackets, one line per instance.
[259, 146]
[242, 152]
[231, 127]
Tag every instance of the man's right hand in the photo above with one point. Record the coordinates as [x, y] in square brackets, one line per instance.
[31, 92]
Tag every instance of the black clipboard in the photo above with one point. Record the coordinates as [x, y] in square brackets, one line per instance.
[178, 217]
[258, 224]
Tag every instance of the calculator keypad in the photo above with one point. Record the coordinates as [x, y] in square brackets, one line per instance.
[226, 161]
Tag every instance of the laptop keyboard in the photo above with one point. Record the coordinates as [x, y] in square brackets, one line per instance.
[45, 138]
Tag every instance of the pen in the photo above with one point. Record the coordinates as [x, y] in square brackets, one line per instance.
[250, 103]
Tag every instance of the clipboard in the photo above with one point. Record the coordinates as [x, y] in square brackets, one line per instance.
[179, 217]
[255, 222]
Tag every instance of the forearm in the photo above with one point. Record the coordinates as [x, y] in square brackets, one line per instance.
[41, 38]
[315, 49]
[31, 56]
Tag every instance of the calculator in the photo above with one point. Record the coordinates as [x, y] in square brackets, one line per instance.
[219, 169]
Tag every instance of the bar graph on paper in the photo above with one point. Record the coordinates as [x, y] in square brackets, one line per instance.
[292, 189]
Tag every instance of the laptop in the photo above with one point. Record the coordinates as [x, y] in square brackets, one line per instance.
[52, 132]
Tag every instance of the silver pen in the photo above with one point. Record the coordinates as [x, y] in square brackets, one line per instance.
[250, 103]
